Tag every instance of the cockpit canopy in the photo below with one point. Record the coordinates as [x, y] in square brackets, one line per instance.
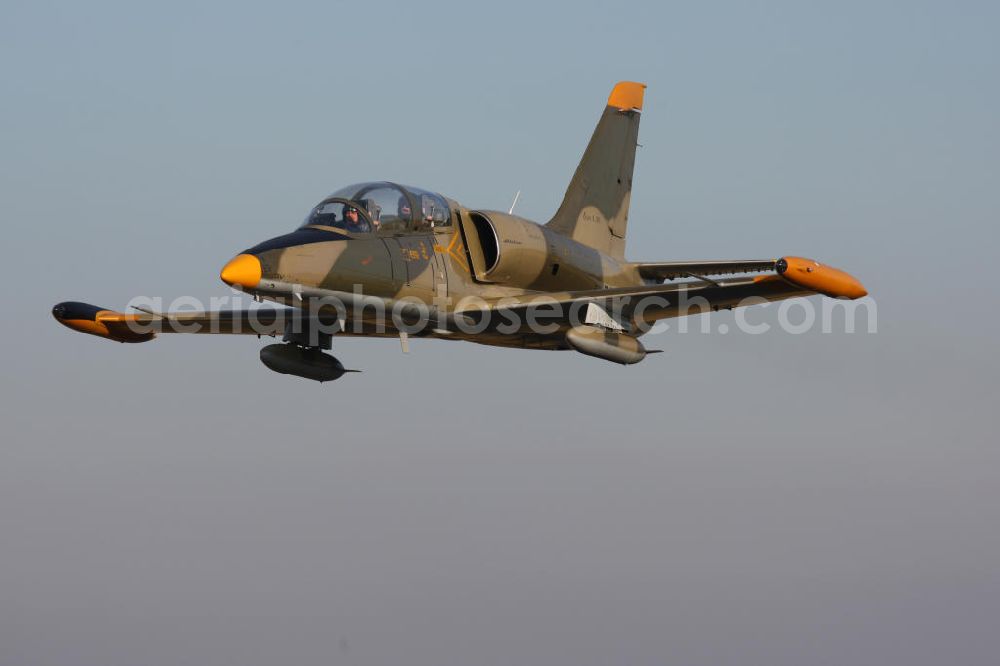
[382, 207]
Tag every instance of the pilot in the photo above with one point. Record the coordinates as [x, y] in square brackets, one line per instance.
[353, 221]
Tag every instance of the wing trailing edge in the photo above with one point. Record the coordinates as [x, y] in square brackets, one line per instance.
[672, 270]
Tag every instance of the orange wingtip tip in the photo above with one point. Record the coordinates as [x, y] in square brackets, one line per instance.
[827, 280]
[627, 95]
[109, 324]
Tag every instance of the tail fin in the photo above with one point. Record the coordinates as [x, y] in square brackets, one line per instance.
[595, 209]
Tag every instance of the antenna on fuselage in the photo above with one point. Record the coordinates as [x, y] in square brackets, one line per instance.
[511, 211]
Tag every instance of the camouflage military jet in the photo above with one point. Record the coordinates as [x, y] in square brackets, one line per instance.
[382, 259]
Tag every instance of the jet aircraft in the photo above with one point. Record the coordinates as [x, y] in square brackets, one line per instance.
[389, 260]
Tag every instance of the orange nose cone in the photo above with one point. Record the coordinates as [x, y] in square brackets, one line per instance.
[816, 277]
[243, 271]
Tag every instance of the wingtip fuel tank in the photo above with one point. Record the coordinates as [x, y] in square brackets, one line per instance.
[820, 278]
[103, 323]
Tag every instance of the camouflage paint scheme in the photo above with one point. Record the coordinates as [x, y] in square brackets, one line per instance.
[454, 252]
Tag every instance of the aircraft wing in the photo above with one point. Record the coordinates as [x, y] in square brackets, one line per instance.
[271, 321]
[143, 326]
[634, 305]
[791, 277]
